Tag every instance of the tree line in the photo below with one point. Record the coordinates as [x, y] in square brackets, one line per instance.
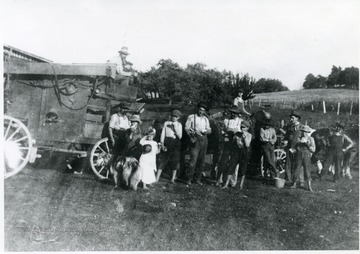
[169, 82]
[338, 78]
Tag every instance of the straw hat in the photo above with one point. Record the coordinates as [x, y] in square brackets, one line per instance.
[124, 50]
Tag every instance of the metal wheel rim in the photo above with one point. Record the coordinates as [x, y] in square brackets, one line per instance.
[101, 146]
[280, 156]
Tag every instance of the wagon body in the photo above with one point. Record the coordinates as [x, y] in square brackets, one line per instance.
[64, 106]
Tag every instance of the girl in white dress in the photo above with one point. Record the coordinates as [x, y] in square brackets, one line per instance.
[148, 158]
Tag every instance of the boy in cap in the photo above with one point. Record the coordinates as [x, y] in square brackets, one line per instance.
[267, 140]
[170, 141]
[305, 147]
[336, 151]
[239, 155]
[197, 127]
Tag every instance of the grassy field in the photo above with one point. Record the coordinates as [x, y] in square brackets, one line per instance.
[48, 210]
[310, 94]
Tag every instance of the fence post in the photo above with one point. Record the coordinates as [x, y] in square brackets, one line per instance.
[338, 108]
[351, 107]
[312, 107]
[283, 104]
[259, 102]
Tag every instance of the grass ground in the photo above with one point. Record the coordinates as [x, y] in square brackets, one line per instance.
[48, 210]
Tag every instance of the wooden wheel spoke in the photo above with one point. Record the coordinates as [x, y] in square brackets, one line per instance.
[14, 133]
[24, 148]
[101, 169]
[25, 137]
[101, 149]
[107, 146]
[7, 129]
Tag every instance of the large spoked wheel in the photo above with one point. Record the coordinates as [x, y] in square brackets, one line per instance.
[100, 149]
[17, 146]
[280, 159]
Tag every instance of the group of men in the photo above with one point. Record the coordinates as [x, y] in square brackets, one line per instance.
[237, 142]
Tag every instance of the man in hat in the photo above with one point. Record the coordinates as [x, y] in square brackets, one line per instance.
[239, 154]
[336, 151]
[267, 140]
[197, 127]
[305, 147]
[170, 140]
[125, 71]
[231, 126]
[118, 129]
[292, 134]
[240, 103]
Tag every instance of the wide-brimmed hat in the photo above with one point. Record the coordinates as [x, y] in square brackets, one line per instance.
[176, 113]
[202, 105]
[245, 124]
[306, 128]
[296, 114]
[124, 50]
[135, 118]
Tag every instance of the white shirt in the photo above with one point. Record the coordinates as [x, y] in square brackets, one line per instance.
[119, 66]
[201, 123]
[119, 122]
[238, 100]
[167, 131]
[233, 124]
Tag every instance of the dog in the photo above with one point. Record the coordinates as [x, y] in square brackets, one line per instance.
[125, 170]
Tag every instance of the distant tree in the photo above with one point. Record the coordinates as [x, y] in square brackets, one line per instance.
[334, 77]
[310, 82]
[350, 77]
[269, 85]
[321, 81]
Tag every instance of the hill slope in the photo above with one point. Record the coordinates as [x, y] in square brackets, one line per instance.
[312, 94]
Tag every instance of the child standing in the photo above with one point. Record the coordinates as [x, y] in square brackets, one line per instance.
[170, 140]
[148, 158]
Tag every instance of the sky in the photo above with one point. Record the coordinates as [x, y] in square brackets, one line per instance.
[276, 39]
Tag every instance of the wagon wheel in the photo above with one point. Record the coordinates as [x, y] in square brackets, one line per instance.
[100, 148]
[280, 159]
[17, 146]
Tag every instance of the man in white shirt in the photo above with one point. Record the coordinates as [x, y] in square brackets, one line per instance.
[124, 69]
[197, 127]
[119, 126]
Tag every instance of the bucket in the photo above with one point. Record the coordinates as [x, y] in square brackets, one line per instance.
[279, 182]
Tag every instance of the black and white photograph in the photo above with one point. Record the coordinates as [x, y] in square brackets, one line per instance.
[178, 125]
